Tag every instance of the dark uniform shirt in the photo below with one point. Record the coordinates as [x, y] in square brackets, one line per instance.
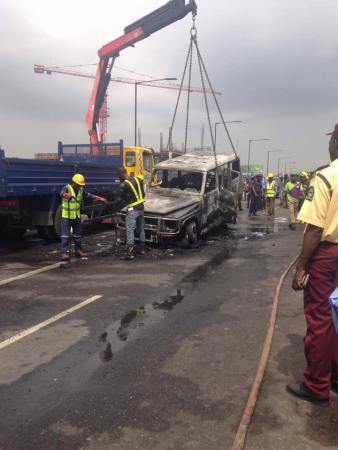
[127, 196]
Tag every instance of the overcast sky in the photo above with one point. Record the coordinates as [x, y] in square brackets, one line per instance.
[275, 62]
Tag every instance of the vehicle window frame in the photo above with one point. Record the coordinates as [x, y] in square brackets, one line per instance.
[147, 156]
[214, 171]
[175, 175]
[128, 154]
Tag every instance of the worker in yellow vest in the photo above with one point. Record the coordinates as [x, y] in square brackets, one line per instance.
[271, 194]
[132, 193]
[72, 198]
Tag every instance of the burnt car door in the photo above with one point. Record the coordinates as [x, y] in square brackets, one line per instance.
[211, 195]
[228, 196]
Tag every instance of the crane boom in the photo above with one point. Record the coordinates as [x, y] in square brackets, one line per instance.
[160, 18]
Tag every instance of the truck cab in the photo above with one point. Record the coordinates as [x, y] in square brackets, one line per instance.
[139, 161]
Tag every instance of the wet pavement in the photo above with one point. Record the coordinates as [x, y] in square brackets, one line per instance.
[163, 360]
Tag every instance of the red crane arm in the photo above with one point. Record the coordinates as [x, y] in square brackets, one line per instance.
[160, 18]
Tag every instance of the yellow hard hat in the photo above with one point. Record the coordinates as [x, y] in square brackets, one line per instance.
[270, 175]
[304, 174]
[79, 179]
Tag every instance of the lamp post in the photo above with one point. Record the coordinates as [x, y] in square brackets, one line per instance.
[287, 163]
[249, 151]
[137, 83]
[279, 160]
[268, 158]
[230, 121]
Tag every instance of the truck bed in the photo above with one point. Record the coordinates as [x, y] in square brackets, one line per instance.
[25, 177]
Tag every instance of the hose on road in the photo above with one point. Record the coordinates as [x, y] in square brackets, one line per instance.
[256, 385]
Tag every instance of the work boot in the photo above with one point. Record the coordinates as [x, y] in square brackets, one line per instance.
[80, 253]
[300, 391]
[292, 226]
[65, 257]
[130, 252]
[141, 249]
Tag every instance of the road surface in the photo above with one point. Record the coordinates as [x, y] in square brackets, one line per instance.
[156, 353]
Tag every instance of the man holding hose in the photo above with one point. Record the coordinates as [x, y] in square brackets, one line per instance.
[316, 273]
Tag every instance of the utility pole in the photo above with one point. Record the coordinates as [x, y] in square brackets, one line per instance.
[139, 137]
[202, 138]
[249, 151]
[161, 142]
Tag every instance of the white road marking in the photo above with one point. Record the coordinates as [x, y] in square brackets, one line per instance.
[43, 324]
[30, 274]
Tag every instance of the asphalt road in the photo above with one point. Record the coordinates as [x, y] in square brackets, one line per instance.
[162, 359]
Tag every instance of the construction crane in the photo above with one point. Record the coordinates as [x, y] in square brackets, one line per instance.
[103, 114]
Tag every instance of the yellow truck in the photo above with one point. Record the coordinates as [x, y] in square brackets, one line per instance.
[139, 161]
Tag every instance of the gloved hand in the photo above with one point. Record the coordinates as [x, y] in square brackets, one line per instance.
[67, 196]
[100, 199]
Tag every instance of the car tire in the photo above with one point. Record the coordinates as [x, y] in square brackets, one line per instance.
[192, 234]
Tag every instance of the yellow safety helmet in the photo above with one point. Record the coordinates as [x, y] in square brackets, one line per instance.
[270, 175]
[304, 174]
[79, 179]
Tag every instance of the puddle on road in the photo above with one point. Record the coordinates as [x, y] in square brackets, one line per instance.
[130, 326]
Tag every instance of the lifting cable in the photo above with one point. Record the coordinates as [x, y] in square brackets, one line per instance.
[204, 77]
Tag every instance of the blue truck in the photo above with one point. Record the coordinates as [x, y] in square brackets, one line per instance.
[30, 188]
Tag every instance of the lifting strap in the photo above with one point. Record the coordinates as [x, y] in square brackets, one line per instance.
[204, 77]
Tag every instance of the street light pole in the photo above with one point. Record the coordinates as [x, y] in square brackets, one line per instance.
[288, 163]
[279, 160]
[137, 83]
[249, 151]
[268, 158]
[218, 123]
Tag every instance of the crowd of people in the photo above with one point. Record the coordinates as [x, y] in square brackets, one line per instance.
[261, 193]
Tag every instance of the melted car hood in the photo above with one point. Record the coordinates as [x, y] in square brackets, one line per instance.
[165, 203]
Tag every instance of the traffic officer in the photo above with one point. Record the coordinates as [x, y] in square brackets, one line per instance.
[304, 183]
[72, 198]
[271, 193]
[293, 192]
[318, 261]
[132, 195]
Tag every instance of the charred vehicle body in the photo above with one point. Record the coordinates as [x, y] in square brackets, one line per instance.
[189, 194]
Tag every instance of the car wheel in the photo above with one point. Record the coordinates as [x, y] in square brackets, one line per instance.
[191, 232]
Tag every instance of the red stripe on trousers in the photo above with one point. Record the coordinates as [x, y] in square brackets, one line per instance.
[321, 342]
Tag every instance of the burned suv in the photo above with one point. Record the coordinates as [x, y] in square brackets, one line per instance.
[190, 193]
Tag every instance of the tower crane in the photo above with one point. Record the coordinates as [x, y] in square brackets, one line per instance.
[103, 113]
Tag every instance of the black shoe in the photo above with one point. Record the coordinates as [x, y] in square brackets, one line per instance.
[292, 226]
[300, 391]
[334, 387]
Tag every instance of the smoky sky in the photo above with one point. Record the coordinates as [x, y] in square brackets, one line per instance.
[274, 61]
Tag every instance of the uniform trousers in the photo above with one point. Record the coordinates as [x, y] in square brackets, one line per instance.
[66, 226]
[270, 203]
[293, 211]
[321, 342]
[135, 221]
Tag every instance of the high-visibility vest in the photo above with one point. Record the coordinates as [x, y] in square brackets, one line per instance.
[271, 189]
[138, 194]
[71, 209]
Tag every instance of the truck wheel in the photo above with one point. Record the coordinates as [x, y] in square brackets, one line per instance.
[57, 221]
[191, 232]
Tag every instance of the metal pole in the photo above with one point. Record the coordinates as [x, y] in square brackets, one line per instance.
[267, 162]
[216, 123]
[249, 155]
[135, 125]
